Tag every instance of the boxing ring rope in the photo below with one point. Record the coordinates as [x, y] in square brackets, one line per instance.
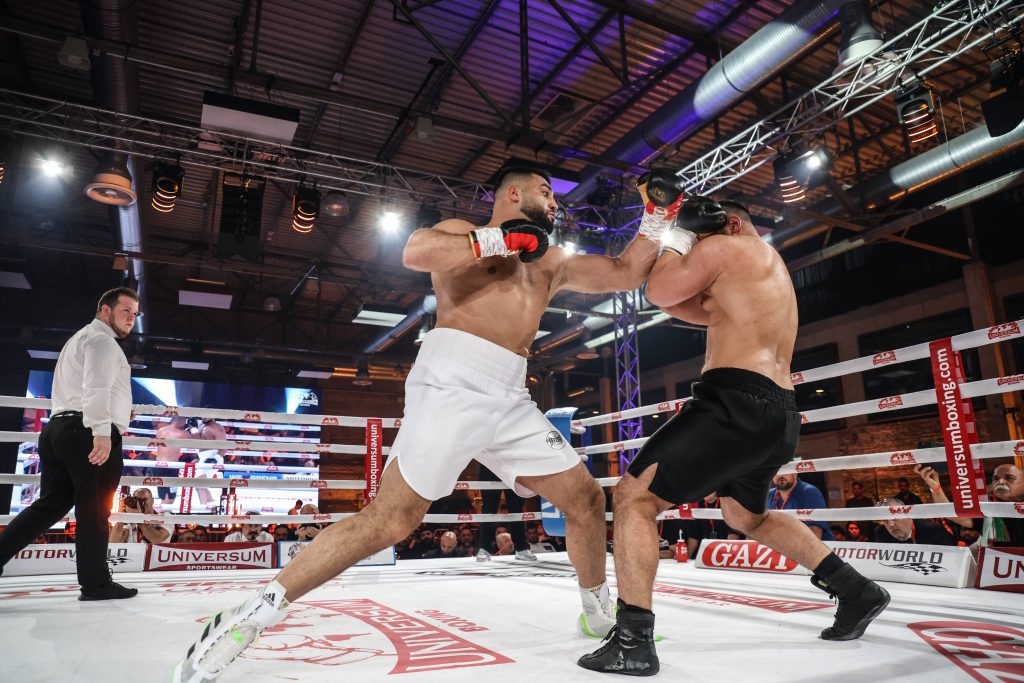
[251, 419]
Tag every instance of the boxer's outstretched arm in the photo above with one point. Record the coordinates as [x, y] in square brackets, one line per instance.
[689, 311]
[593, 274]
[676, 278]
[441, 248]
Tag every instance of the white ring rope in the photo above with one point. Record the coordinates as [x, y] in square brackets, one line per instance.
[209, 444]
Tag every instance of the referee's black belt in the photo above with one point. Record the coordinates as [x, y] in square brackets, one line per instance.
[67, 413]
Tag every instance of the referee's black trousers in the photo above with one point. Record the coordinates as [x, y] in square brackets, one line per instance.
[69, 479]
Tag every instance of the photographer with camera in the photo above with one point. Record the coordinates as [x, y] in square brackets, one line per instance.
[139, 502]
[308, 531]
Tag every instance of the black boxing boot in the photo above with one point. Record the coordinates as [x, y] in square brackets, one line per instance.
[859, 599]
[108, 591]
[628, 647]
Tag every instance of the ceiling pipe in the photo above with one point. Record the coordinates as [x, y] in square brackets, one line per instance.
[115, 86]
[927, 168]
[426, 307]
[803, 27]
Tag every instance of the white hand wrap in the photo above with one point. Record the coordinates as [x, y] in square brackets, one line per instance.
[678, 240]
[654, 225]
[490, 242]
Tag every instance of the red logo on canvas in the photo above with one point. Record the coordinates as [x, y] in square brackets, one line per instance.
[986, 652]
[890, 402]
[234, 483]
[900, 509]
[317, 484]
[463, 517]
[883, 358]
[797, 378]
[253, 417]
[805, 466]
[902, 458]
[529, 516]
[153, 481]
[1012, 379]
[1004, 330]
[329, 422]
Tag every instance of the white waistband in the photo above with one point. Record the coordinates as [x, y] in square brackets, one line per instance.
[468, 352]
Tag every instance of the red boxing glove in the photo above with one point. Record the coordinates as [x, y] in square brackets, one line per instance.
[516, 236]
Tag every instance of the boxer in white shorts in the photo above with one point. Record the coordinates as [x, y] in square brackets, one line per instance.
[466, 399]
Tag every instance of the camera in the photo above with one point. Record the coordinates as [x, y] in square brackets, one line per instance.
[133, 502]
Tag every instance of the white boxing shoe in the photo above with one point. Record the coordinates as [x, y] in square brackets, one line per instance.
[228, 633]
[598, 616]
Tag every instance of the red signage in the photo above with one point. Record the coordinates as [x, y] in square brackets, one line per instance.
[329, 422]
[890, 402]
[1004, 330]
[746, 555]
[805, 466]
[1001, 569]
[252, 417]
[965, 477]
[883, 358]
[372, 463]
[206, 556]
[797, 378]
[986, 652]
[903, 458]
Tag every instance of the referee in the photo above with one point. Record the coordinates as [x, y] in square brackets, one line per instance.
[80, 447]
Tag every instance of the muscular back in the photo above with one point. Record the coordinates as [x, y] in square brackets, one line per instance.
[498, 299]
[751, 308]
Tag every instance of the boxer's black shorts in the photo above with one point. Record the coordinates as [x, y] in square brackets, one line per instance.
[731, 437]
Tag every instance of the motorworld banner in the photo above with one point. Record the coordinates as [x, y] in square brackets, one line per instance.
[59, 558]
[932, 565]
[286, 550]
[206, 556]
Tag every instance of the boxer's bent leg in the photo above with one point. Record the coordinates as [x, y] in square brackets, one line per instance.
[777, 530]
[581, 500]
[636, 537]
[395, 511]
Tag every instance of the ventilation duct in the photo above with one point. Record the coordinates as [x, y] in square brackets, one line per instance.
[938, 163]
[426, 307]
[859, 37]
[800, 29]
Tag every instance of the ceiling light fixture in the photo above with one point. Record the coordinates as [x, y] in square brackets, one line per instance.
[305, 208]
[112, 183]
[915, 108]
[166, 187]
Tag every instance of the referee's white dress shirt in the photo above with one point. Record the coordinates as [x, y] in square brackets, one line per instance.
[93, 376]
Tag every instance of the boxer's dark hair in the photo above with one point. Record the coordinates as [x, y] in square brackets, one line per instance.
[733, 207]
[111, 296]
[516, 172]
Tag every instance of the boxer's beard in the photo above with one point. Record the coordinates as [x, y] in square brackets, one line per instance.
[539, 215]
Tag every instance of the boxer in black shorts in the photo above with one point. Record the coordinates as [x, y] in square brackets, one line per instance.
[731, 438]
[739, 428]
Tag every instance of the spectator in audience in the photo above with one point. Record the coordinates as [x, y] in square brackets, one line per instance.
[504, 544]
[789, 493]
[448, 547]
[40, 539]
[854, 532]
[556, 542]
[149, 532]
[1007, 486]
[467, 541]
[536, 544]
[281, 533]
[904, 494]
[838, 532]
[250, 533]
[491, 504]
[202, 535]
[185, 535]
[904, 530]
[307, 531]
[858, 499]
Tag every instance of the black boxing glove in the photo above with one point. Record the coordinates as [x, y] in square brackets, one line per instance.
[701, 215]
[517, 236]
[662, 193]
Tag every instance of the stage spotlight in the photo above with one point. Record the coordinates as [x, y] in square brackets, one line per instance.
[166, 187]
[52, 167]
[390, 220]
[336, 204]
[362, 378]
[112, 183]
[1004, 108]
[791, 188]
[915, 109]
[305, 208]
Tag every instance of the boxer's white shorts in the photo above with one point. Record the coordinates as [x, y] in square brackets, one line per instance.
[466, 399]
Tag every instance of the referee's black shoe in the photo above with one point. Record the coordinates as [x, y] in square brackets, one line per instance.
[109, 591]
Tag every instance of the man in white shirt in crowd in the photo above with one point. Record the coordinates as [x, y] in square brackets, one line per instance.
[147, 532]
[80, 447]
[250, 533]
